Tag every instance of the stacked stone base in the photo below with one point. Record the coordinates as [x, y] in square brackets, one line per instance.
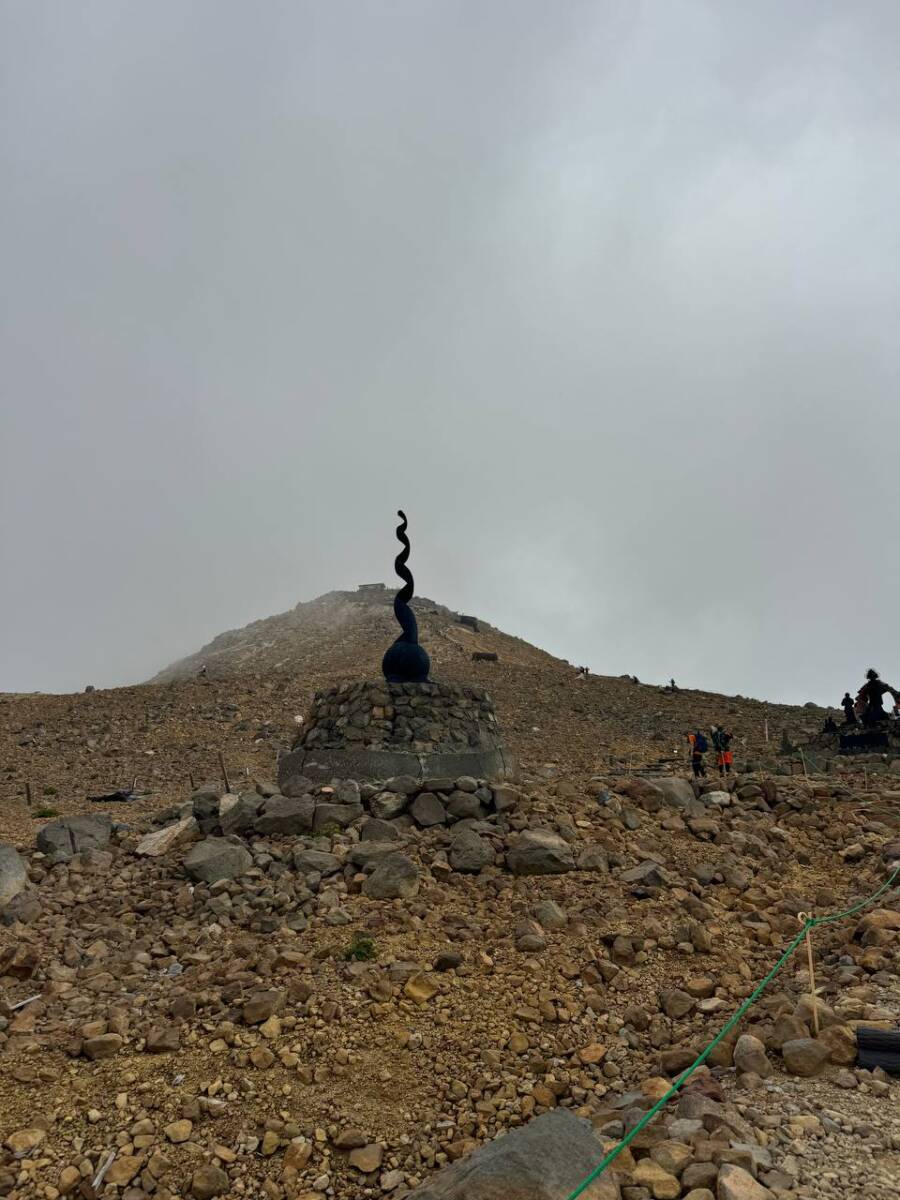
[376, 730]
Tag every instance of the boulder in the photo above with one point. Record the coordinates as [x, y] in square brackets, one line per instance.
[376, 830]
[286, 814]
[505, 797]
[365, 855]
[750, 1056]
[61, 840]
[238, 813]
[307, 861]
[805, 1056]
[539, 852]
[217, 858]
[406, 785]
[469, 851]
[676, 792]
[160, 841]
[387, 805]
[396, 877]
[545, 1160]
[13, 875]
[426, 810]
[330, 815]
[734, 1183]
[461, 805]
[648, 874]
[592, 858]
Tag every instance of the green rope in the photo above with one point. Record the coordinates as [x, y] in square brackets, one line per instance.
[810, 923]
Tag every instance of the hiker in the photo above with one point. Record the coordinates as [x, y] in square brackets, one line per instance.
[870, 698]
[829, 726]
[699, 746]
[721, 740]
[849, 711]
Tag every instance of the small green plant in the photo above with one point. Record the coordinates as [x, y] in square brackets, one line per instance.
[50, 791]
[361, 948]
[47, 812]
[329, 829]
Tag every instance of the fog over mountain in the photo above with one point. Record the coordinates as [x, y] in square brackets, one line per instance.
[603, 294]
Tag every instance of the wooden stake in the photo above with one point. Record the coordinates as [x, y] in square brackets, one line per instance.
[224, 771]
[766, 729]
[28, 794]
[134, 783]
[191, 778]
[803, 760]
[812, 980]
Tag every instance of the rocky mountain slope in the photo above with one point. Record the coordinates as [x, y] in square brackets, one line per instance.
[331, 996]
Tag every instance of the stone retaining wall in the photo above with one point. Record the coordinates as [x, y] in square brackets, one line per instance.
[372, 730]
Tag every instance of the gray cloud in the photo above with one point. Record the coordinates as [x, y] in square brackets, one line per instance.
[604, 294]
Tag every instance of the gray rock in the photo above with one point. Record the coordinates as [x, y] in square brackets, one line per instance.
[387, 805]
[396, 877]
[161, 841]
[406, 785]
[545, 1160]
[648, 873]
[307, 861]
[539, 852]
[442, 783]
[426, 810]
[217, 858]
[286, 814]
[549, 915]
[462, 805]
[24, 908]
[594, 859]
[376, 830]
[365, 855]
[505, 797]
[470, 852]
[676, 792]
[62, 840]
[750, 1056]
[347, 792]
[13, 875]
[804, 1056]
[341, 815]
[238, 813]
[466, 783]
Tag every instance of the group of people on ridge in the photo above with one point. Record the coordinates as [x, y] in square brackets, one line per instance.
[699, 744]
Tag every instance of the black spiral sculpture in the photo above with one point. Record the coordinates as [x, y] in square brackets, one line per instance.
[405, 661]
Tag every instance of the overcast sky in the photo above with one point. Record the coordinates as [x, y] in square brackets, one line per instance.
[604, 294]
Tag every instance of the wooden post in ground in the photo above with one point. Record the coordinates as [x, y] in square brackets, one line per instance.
[812, 978]
[28, 795]
[224, 771]
[766, 730]
[191, 778]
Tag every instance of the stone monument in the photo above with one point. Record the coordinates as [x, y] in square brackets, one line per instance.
[405, 724]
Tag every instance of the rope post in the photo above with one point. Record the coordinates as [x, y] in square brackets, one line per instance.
[803, 760]
[28, 796]
[224, 771]
[766, 729]
[806, 920]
